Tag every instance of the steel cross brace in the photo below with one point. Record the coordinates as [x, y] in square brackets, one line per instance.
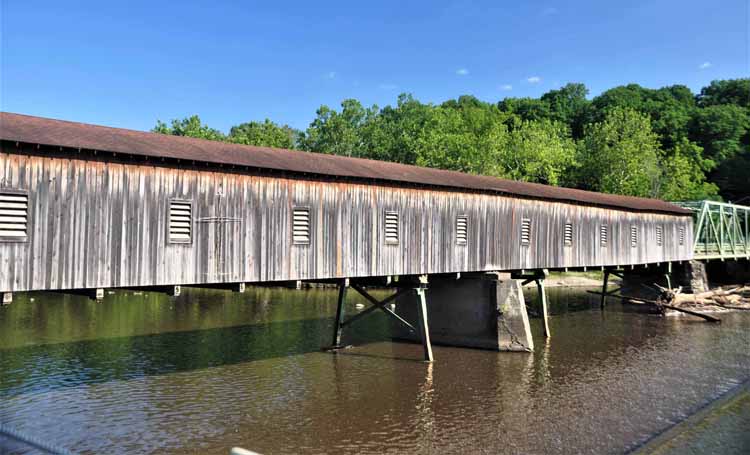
[605, 293]
[423, 331]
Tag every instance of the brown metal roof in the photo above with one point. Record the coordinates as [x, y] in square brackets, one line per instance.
[44, 131]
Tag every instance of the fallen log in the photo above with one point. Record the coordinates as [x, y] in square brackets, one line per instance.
[732, 307]
[707, 317]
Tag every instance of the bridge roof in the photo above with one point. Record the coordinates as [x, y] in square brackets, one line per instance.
[45, 131]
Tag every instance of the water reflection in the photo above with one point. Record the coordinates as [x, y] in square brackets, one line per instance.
[210, 370]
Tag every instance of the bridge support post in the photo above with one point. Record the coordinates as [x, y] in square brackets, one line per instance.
[605, 283]
[338, 322]
[538, 278]
[543, 302]
[423, 333]
[424, 328]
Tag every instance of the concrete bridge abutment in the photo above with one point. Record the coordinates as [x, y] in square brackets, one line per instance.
[487, 312]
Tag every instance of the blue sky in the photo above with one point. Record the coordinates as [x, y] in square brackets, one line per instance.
[128, 64]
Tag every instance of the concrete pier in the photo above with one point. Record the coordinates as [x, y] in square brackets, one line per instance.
[487, 312]
[691, 275]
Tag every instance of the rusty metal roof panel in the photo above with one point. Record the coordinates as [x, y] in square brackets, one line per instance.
[44, 131]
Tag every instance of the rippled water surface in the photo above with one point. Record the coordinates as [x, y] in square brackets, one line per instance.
[209, 370]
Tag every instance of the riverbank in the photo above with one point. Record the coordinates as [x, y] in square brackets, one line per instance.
[575, 279]
[720, 427]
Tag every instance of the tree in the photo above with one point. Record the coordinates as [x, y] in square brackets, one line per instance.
[669, 108]
[721, 130]
[395, 133]
[731, 91]
[569, 106]
[339, 133]
[189, 126]
[467, 139]
[620, 155]
[539, 152]
[265, 134]
[732, 177]
[525, 108]
[683, 174]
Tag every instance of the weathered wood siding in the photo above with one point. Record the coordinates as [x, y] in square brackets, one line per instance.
[94, 224]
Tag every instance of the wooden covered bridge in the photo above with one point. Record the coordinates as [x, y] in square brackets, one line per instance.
[86, 207]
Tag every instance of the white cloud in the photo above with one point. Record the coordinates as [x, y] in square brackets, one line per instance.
[705, 65]
[506, 87]
[331, 75]
[388, 86]
[533, 79]
[462, 71]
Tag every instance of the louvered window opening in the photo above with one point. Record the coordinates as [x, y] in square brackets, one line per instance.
[525, 231]
[462, 224]
[659, 235]
[301, 226]
[633, 236]
[682, 236]
[180, 221]
[603, 235]
[391, 228]
[568, 234]
[14, 216]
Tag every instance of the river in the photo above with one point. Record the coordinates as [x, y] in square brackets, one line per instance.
[209, 370]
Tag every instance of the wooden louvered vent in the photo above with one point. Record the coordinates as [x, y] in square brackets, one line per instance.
[603, 235]
[391, 228]
[633, 236]
[659, 236]
[301, 226]
[180, 221]
[525, 231]
[462, 224]
[14, 216]
[568, 234]
[682, 235]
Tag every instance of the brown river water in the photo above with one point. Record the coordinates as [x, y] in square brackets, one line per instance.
[201, 373]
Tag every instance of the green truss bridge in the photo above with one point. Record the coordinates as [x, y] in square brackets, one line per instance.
[721, 230]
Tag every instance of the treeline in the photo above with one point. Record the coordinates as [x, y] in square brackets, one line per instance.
[668, 143]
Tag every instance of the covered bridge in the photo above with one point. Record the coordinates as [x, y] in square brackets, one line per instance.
[85, 206]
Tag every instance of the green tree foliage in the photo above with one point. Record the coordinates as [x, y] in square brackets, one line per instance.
[339, 133]
[731, 91]
[264, 134]
[569, 106]
[669, 108]
[721, 129]
[526, 108]
[189, 126]
[465, 137]
[538, 151]
[665, 142]
[683, 174]
[620, 155]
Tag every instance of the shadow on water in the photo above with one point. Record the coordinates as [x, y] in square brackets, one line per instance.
[130, 336]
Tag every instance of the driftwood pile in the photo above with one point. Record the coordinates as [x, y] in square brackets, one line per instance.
[715, 300]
